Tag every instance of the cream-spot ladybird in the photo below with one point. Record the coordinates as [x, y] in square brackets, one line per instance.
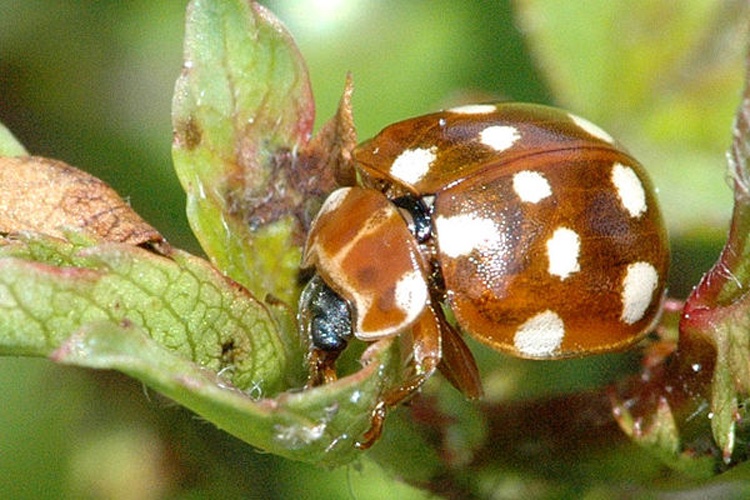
[538, 231]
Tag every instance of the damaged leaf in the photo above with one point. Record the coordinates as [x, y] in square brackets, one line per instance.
[242, 109]
[47, 196]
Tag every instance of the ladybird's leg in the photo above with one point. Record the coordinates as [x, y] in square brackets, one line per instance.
[322, 365]
[457, 363]
[424, 358]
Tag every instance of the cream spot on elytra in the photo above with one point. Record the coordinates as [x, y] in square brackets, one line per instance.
[531, 187]
[413, 164]
[629, 190]
[563, 250]
[591, 129]
[411, 295]
[462, 234]
[499, 137]
[334, 201]
[474, 109]
[540, 336]
[638, 286]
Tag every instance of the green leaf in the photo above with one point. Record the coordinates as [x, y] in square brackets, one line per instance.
[316, 426]
[242, 108]
[182, 328]
[9, 145]
[50, 289]
[661, 437]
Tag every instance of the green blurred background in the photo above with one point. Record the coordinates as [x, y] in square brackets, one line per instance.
[90, 83]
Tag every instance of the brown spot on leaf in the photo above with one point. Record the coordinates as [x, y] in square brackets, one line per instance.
[266, 182]
[188, 133]
[228, 353]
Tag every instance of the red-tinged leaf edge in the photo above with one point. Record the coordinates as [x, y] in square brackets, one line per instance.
[716, 318]
[700, 392]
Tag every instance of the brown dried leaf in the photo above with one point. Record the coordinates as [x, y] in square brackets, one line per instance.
[326, 161]
[334, 143]
[46, 196]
